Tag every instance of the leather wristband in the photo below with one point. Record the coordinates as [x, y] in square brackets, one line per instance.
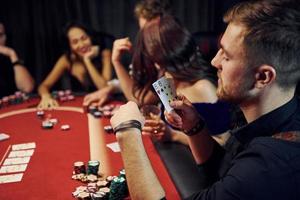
[127, 125]
[196, 129]
[18, 62]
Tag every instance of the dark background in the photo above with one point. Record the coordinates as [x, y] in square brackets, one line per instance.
[34, 26]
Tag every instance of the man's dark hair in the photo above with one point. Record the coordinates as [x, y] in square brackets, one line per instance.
[272, 36]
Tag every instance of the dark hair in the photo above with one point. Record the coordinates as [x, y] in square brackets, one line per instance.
[150, 9]
[166, 42]
[272, 36]
[66, 30]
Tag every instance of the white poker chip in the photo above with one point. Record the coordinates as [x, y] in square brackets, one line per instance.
[53, 120]
[65, 127]
[47, 124]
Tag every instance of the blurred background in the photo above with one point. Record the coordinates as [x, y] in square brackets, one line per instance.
[34, 27]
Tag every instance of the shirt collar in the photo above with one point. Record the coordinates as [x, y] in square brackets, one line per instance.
[268, 124]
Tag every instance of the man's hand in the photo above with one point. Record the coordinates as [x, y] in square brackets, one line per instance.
[129, 111]
[184, 116]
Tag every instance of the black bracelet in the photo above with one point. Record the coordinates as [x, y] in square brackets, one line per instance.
[196, 129]
[128, 124]
[18, 62]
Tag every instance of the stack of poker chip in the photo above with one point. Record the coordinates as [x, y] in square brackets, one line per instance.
[16, 98]
[79, 167]
[106, 111]
[118, 188]
[94, 190]
[93, 110]
[63, 95]
[93, 167]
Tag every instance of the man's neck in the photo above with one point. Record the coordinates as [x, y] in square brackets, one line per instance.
[265, 102]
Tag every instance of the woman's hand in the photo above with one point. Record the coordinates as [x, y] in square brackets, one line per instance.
[47, 103]
[157, 129]
[100, 96]
[91, 53]
[119, 47]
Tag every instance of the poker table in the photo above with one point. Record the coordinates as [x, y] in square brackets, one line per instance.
[49, 171]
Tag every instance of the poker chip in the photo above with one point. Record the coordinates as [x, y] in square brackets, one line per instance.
[60, 93]
[97, 187]
[40, 113]
[83, 195]
[110, 178]
[68, 92]
[118, 188]
[97, 114]
[122, 173]
[92, 178]
[63, 98]
[107, 113]
[108, 129]
[53, 120]
[65, 127]
[70, 97]
[47, 124]
[93, 167]
[102, 183]
[79, 167]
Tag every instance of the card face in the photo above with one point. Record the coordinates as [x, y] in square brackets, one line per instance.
[30, 145]
[3, 136]
[11, 178]
[166, 91]
[21, 153]
[13, 168]
[15, 161]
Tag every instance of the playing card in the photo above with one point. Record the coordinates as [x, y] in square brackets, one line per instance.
[114, 147]
[3, 136]
[22, 153]
[30, 145]
[11, 178]
[13, 168]
[166, 91]
[14, 161]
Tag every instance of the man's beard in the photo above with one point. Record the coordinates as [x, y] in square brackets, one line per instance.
[235, 93]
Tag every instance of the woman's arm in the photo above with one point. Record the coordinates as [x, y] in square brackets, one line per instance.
[99, 78]
[46, 100]
[106, 64]
[126, 82]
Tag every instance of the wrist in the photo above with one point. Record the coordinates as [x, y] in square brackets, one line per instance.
[130, 124]
[17, 62]
[197, 128]
[13, 56]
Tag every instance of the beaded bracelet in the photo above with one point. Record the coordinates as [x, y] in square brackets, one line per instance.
[196, 129]
[128, 124]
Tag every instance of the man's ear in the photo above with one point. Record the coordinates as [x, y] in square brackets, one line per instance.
[264, 76]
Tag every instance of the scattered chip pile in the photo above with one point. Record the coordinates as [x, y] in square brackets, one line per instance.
[97, 187]
[105, 111]
[48, 122]
[13, 99]
[63, 95]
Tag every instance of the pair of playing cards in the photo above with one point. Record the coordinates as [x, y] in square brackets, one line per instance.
[166, 91]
